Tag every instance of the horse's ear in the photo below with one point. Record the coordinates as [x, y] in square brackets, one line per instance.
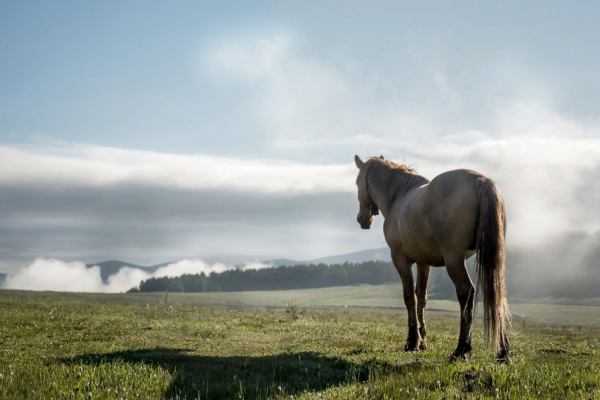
[359, 163]
[382, 157]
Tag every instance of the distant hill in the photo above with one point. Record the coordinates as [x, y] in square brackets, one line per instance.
[382, 254]
[112, 267]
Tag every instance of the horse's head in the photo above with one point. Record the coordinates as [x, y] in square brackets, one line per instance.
[367, 208]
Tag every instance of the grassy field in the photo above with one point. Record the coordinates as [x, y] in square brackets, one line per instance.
[584, 313]
[229, 346]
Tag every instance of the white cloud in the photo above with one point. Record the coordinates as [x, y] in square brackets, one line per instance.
[189, 267]
[256, 266]
[57, 275]
[97, 166]
[302, 101]
[122, 281]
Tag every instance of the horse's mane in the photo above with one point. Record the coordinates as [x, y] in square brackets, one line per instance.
[398, 178]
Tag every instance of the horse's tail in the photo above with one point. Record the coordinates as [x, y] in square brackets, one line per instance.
[489, 264]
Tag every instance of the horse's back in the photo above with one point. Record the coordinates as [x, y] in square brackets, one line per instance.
[440, 218]
[454, 190]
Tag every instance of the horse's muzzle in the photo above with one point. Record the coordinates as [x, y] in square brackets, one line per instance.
[363, 224]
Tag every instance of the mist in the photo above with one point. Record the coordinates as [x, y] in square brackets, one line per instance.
[560, 266]
[60, 276]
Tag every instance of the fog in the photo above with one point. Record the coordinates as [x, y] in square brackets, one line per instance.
[560, 266]
[56, 275]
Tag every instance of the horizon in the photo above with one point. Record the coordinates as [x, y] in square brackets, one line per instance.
[577, 249]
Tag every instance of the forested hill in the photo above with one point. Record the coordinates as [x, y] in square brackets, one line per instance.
[564, 266]
[279, 278]
[303, 276]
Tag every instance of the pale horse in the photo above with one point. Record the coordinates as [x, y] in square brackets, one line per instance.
[438, 223]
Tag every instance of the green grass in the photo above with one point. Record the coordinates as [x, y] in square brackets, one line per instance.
[62, 346]
[584, 313]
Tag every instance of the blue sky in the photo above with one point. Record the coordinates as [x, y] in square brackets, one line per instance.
[137, 74]
[225, 131]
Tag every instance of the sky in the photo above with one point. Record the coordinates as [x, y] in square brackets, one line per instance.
[225, 132]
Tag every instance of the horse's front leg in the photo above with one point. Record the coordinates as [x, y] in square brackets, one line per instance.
[403, 266]
[422, 279]
[465, 291]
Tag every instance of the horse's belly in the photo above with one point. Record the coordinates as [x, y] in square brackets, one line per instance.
[432, 258]
[435, 263]
[423, 256]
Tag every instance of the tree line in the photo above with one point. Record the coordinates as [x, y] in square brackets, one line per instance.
[304, 276]
[564, 266]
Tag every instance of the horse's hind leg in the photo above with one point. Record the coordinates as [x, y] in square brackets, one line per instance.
[403, 266]
[422, 279]
[465, 291]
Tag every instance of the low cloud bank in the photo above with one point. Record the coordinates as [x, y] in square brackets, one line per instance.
[56, 275]
[100, 167]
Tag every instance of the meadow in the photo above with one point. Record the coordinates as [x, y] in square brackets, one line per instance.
[333, 343]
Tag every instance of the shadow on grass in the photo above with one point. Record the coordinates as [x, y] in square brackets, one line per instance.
[210, 377]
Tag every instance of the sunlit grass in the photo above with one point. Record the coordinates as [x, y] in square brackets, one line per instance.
[79, 347]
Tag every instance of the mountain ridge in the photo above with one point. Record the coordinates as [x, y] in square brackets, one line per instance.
[111, 267]
[380, 254]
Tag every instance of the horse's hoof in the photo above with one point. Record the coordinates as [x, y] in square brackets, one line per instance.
[411, 347]
[423, 345]
[462, 353]
[458, 357]
[503, 358]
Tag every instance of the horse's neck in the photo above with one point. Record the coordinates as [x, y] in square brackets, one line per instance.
[380, 195]
[384, 197]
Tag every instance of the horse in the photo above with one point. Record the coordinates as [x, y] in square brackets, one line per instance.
[441, 222]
